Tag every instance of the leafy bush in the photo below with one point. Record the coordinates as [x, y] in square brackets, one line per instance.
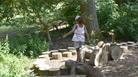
[122, 19]
[30, 45]
[126, 26]
[4, 46]
[11, 65]
[107, 12]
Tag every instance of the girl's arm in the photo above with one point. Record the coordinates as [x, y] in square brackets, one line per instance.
[70, 32]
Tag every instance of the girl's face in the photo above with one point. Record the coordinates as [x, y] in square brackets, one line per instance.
[79, 21]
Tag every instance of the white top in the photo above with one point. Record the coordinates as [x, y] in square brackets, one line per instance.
[79, 34]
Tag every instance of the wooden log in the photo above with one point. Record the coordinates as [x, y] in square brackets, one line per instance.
[118, 44]
[100, 44]
[53, 68]
[46, 56]
[101, 57]
[83, 69]
[41, 64]
[34, 70]
[44, 67]
[42, 73]
[86, 52]
[136, 44]
[67, 55]
[109, 50]
[132, 47]
[54, 72]
[57, 56]
[73, 50]
[46, 53]
[87, 55]
[64, 70]
[124, 48]
[74, 53]
[92, 58]
[123, 44]
[62, 50]
[130, 43]
[116, 52]
[64, 76]
[52, 51]
[95, 48]
[50, 72]
[39, 67]
[39, 61]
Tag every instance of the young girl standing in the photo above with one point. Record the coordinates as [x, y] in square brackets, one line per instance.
[80, 32]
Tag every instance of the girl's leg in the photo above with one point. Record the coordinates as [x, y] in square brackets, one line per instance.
[78, 55]
[77, 45]
[81, 53]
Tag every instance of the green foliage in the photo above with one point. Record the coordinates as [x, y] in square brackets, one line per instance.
[122, 19]
[4, 46]
[29, 45]
[126, 26]
[70, 9]
[11, 65]
[31, 11]
[107, 13]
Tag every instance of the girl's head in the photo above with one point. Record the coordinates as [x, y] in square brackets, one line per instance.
[79, 20]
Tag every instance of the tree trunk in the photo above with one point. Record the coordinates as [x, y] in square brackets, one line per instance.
[49, 37]
[44, 26]
[88, 11]
[46, 30]
[83, 9]
[93, 22]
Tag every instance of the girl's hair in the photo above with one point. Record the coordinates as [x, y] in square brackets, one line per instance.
[80, 20]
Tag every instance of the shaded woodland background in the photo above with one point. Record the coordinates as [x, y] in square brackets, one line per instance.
[26, 27]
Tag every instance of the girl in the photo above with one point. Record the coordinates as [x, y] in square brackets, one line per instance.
[79, 31]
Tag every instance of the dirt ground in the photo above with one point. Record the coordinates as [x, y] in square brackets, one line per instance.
[127, 67]
[61, 43]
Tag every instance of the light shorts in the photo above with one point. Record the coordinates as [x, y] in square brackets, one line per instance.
[78, 44]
